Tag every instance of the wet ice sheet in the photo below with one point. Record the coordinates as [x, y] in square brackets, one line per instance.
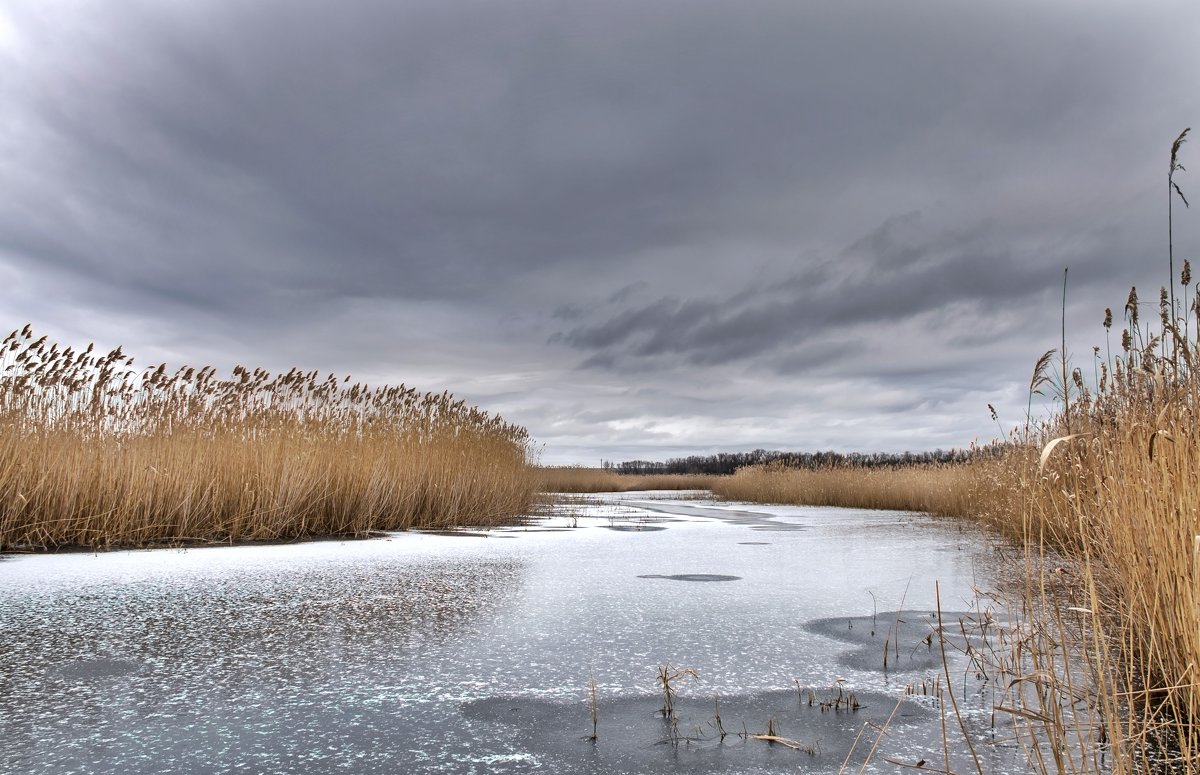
[367, 656]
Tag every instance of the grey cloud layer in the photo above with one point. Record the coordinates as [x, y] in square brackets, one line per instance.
[900, 271]
[678, 191]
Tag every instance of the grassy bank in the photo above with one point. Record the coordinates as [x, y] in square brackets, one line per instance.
[1117, 501]
[1118, 497]
[580, 480]
[97, 452]
[980, 487]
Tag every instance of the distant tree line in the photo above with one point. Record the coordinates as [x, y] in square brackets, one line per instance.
[728, 462]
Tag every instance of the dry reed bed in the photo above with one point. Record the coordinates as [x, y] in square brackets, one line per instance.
[1121, 493]
[1117, 503]
[577, 479]
[1120, 497]
[96, 452]
[1105, 498]
[978, 487]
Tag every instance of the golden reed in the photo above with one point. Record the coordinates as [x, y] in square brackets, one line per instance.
[97, 452]
[577, 479]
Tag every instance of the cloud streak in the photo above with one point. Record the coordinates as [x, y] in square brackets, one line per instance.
[904, 270]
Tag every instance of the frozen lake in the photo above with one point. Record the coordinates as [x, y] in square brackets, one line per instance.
[473, 653]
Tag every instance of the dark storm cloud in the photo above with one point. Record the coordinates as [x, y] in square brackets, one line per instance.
[899, 271]
[438, 149]
[492, 193]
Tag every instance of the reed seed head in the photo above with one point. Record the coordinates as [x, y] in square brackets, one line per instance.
[1131, 305]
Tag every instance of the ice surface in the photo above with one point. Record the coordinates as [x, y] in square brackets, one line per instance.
[374, 656]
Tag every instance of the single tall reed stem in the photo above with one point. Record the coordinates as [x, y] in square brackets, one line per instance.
[1066, 383]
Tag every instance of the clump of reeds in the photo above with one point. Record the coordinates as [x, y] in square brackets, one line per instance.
[667, 676]
[1116, 487]
[578, 479]
[97, 452]
[1120, 493]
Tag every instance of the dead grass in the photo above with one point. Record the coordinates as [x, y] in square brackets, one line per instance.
[1105, 652]
[1122, 497]
[1104, 662]
[96, 452]
[950, 489]
[1109, 612]
[577, 479]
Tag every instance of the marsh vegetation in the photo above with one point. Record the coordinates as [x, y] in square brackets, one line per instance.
[578, 479]
[97, 452]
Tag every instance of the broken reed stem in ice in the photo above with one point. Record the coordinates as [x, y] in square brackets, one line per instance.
[949, 684]
[717, 718]
[667, 676]
[595, 707]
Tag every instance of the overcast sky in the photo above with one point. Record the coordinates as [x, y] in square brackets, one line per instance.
[641, 229]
